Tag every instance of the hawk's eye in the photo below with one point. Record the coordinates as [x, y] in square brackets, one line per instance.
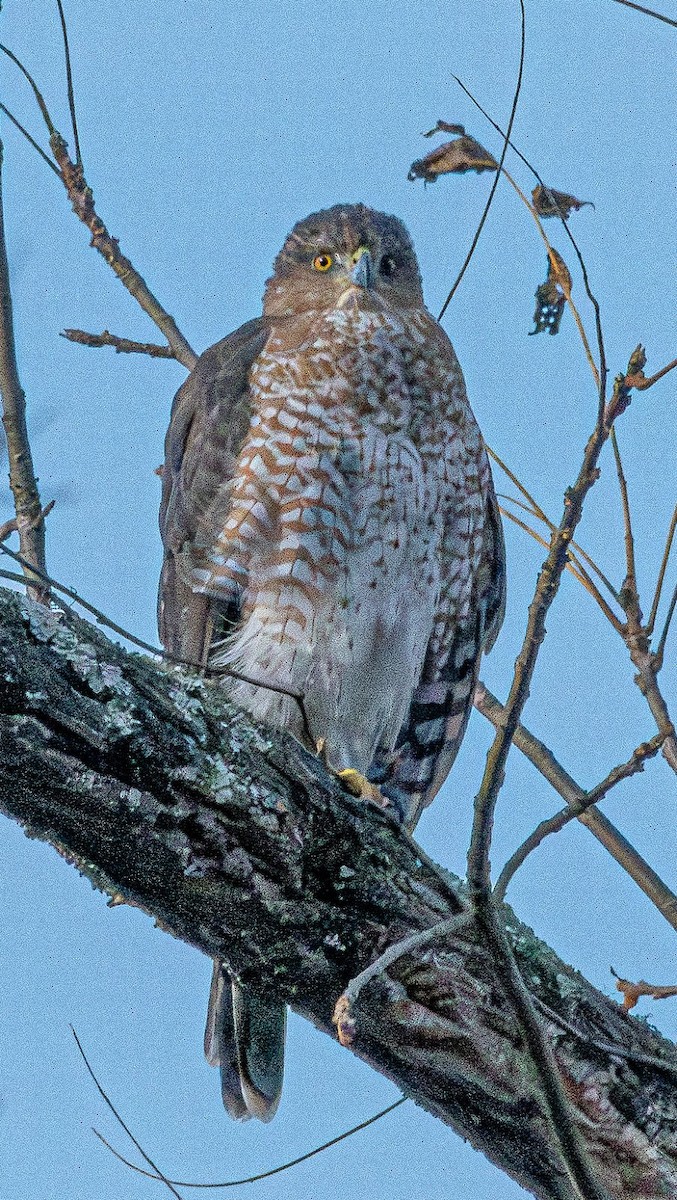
[322, 262]
[388, 265]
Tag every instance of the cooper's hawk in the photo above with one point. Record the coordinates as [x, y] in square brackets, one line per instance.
[330, 527]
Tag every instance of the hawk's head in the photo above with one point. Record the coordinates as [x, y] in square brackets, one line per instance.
[348, 250]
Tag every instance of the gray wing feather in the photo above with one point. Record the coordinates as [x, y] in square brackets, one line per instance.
[209, 421]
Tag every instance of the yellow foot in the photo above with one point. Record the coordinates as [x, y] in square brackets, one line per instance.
[358, 785]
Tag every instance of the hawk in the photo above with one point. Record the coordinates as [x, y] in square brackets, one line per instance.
[330, 527]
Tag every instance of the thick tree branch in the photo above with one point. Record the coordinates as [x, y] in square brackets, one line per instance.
[238, 842]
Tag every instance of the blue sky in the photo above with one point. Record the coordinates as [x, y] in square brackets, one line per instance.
[207, 130]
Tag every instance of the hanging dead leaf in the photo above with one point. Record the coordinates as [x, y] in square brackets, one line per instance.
[632, 991]
[551, 295]
[549, 203]
[452, 158]
[445, 127]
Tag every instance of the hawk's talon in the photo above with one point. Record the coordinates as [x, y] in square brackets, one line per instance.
[357, 784]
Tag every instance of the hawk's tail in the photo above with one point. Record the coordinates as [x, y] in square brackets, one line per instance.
[244, 1037]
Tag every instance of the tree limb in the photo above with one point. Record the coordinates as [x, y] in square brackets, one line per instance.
[237, 841]
[27, 505]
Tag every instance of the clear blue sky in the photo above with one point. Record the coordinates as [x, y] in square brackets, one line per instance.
[207, 130]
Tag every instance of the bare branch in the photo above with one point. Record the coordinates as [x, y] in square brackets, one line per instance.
[82, 201]
[120, 345]
[573, 565]
[69, 82]
[649, 12]
[629, 595]
[494, 184]
[22, 480]
[647, 681]
[10, 117]
[611, 838]
[535, 508]
[641, 382]
[661, 573]
[479, 872]
[294, 1162]
[118, 1118]
[557, 822]
[660, 648]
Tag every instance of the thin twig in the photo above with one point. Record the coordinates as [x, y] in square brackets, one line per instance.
[82, 201]
[118, 1118]
[294, 1162]
[612, 1048]
[22, 480]
[120, 345]
[562, 283]
[34, 87]
[611, 838]
[557, 822]
[69, 82]
[661, 573]
[494, 184]
[649, 12]
[537, 511]
[603, 370]
[343, 1017]
[642, 381]
[629, 594]
[10, 117]
[12, 526]
[660, 649]
[574, 566]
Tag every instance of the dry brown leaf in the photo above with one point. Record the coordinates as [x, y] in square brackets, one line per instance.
[551, 296]
[452, 158]
[445, 127]
[632, 991]
[549, 203]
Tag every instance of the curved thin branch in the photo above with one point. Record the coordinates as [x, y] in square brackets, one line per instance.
[158, 1173]
[31, 140]
[294, 1162]
[649, 12]
[661, 573]
[69, 82]
[494, 184]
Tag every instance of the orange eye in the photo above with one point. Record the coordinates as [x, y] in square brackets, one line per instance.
[322, 262]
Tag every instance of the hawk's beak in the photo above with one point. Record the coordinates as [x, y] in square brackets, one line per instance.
[363, 273]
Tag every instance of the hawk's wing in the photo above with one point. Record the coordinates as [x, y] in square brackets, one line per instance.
[209, 421]
[440, 705]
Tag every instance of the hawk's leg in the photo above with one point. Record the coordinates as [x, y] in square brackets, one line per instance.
[357, 784]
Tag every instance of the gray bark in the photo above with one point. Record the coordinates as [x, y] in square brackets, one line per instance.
[239, 843]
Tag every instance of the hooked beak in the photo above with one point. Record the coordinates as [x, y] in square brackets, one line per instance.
[363, 273]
